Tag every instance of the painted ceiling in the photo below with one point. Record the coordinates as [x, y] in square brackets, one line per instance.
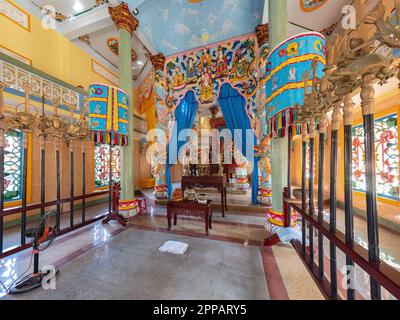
[177, 25]
[173, 26]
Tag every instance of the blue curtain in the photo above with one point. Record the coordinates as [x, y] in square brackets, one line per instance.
[185, 113]
[233, 108]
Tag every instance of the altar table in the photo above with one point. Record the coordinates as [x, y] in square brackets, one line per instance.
[190, 208]
[207, 182]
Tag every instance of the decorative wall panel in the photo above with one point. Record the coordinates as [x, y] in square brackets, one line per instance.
[15, 14]
[15, 78]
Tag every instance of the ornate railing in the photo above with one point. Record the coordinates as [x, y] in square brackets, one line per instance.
[15, 74]
[385, 275]
[22, 245]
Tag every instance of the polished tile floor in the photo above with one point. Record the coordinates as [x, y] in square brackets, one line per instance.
[129, 266]
[112, 262]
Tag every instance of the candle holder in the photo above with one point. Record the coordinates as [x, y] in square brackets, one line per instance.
[58, 125]
[21, 120]
[44, 124]
[77, 130]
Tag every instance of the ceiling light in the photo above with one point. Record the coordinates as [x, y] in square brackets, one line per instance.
[77, 6]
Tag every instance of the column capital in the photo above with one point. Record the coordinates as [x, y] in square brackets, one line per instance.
[311, 128]
[348, 109]
[158, 61]
[123, 17]
[262, 32]
[323, 123]
[367, 94]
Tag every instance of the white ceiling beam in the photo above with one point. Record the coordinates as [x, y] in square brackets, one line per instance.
[87, 23]
[265, 12]
[96, 20]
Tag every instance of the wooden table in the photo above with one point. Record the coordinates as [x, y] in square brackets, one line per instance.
[208, 182]
[190, 208]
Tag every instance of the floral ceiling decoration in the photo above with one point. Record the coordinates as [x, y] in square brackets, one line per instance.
[112, 44]
[204, 71]
[311, 5]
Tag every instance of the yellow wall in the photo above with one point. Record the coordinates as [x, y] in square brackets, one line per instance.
[55, 55]
[49, 51]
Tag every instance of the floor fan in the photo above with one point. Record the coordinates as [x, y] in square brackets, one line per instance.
[42, 236]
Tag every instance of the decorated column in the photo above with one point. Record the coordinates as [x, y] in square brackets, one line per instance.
[264, 152]
[126, 24]
[277, 33]
[159, 156]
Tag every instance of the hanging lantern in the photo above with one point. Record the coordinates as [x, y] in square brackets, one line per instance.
[108, 114]
[108, 122]
[286, 65]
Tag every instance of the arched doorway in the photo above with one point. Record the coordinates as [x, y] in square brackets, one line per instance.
[233, 107]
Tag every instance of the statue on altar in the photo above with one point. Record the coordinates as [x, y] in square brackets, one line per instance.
[222, 65]
[207, 88]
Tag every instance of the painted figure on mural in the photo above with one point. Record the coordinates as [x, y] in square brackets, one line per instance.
[179, 80]
[205, 61]
[222, 64]
[240, 64]
[207, 89]
[191, 73]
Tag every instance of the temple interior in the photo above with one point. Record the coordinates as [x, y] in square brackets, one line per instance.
[199, 149]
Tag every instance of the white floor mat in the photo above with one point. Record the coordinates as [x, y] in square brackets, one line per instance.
[174, 247]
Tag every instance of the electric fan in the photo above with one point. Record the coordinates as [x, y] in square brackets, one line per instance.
[42, 236]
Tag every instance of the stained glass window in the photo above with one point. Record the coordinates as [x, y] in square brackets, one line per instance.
[387, 158]
[13, 157]
[101, 170]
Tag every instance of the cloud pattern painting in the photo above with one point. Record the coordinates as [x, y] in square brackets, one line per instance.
[177, 25]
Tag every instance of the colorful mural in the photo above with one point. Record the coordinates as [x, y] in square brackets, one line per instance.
[387, 158]
[145, 89]
[205, 70]
[176, 25]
